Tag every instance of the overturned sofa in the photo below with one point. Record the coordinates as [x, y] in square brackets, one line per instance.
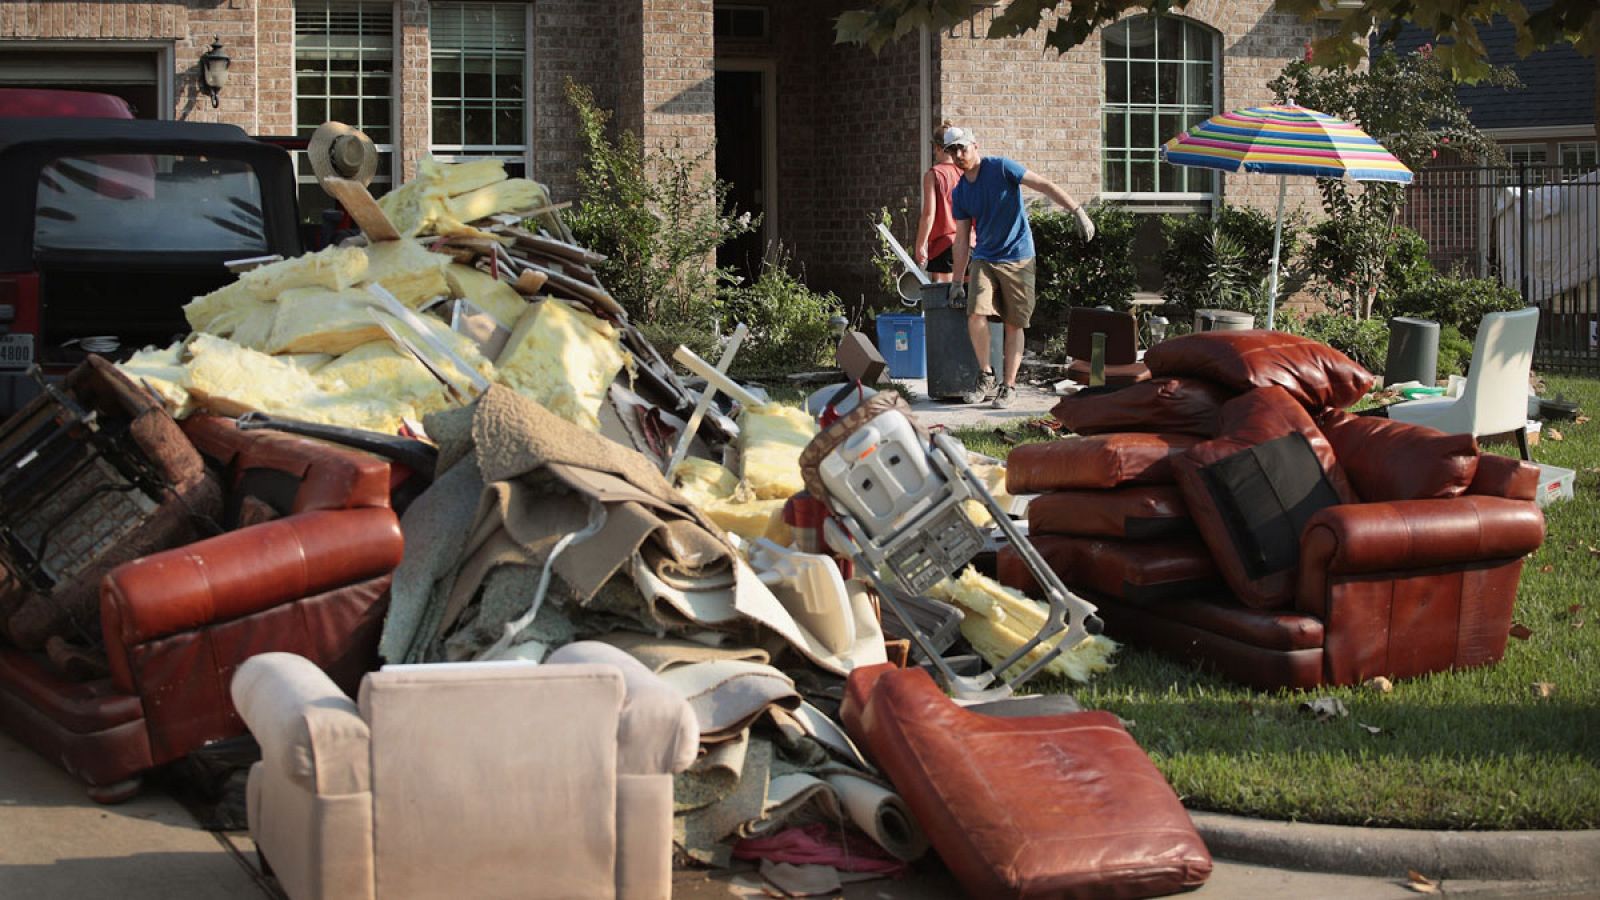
[1231, 513]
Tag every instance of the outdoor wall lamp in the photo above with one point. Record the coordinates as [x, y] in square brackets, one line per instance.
[1158, 329]
[214, 70]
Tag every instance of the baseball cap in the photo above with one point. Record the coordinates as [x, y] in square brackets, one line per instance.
[953, 136]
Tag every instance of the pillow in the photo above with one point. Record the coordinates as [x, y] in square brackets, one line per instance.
[1172, 405]
[1141, 571]
[1298, 476]
[1390, 460]
[1101, 461]
[1315, 375]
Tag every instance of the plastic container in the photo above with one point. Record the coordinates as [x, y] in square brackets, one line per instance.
[1222, 320]
[1413, 351]
[903, 343]
[1555, 483]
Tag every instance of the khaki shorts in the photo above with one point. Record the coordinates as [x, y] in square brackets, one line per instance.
[1003, 291]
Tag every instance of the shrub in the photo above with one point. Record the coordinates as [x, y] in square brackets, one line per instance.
[1073, 272]
[1221, 263]
[1455, 351]
[658, 218]
[1364, 340]
[1453, 300]
[790, 327]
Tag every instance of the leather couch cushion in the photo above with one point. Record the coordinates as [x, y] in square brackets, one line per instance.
[1249, 421]
[1048, 806]
[1176, 568]
[1126, 373]
[1170, 405]
[1502, 476]
[1389, 460]
[1099, 461]
[1137, 511]
[1315, 375]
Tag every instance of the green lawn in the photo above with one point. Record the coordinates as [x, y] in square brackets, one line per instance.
[1479, 749]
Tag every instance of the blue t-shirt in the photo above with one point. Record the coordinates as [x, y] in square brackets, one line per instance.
[994, 203]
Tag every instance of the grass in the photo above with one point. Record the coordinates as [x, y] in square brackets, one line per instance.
[1477, 749]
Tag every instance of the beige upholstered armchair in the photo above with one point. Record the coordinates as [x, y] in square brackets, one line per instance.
[498, 779]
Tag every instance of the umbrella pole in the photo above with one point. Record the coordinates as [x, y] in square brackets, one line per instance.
[1277, 240]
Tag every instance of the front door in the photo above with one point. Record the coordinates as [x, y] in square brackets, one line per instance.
[743, 160]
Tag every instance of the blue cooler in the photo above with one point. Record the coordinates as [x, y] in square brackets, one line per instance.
[903, 343]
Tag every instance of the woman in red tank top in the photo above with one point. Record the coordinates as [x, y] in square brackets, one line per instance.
[936, 230]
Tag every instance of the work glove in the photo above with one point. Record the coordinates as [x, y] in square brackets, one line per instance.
[958, 293]
[1085, 224]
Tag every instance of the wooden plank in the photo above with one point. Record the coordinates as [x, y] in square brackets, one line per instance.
[358, 202]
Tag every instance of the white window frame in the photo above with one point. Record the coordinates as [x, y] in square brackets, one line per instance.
[1580, 150]
[384, 179]
[519, 154]
[1158, 200]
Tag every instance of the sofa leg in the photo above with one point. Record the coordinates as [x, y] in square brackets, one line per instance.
[116, 792]
[1522, 443]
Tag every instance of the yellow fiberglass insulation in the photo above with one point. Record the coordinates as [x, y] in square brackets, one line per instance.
[381, 370]
[504, 196]
[219, 311]
[563, 358]
[461, 177]
[999, 619]
[335, 268]
[409, 271]
[316, 320]
[716, 492]
[163, 372]
[701, 480]
[486, 292]
[417, 204]
[230, 380]
[771, 437]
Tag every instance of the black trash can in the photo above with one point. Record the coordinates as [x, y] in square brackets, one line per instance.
[1413, 351]
[952, 367]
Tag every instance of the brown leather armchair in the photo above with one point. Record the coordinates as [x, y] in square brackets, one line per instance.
[304, 566]
[1407, 564]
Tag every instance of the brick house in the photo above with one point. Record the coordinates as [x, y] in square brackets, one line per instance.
[815, 135]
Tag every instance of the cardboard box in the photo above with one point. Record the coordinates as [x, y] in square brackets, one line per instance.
[1555, 483]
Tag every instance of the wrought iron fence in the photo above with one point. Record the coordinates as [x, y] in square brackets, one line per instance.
[1535, 228]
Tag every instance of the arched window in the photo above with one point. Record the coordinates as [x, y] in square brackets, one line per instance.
[1161, 77]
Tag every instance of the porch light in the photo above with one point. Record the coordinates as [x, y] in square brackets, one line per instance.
[214, 70]
[1158, 329]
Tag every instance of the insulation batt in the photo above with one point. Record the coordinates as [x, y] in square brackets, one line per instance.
[999, 619]
[771, 437]
[407, 270]
[314, 320]
[163, 371]
[513, 193]
[486, 292]
[380, 370]
[564, 359]
[335, 268]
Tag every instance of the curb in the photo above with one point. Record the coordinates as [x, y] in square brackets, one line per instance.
[1549, 856]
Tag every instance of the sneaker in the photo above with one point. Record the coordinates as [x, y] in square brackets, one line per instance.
[984, 390]
[1006, 396]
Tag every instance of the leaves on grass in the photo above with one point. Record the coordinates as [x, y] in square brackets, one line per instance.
[1371, 729]
[1520, 631]
[1552, 434]
[1378, 684]
[1421, 883]
[1544, 690]
[1573, 611]
[1325, 708]
[1581, 419]
[1547, 568]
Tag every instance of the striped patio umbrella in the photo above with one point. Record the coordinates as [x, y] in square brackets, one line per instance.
[1284, 140]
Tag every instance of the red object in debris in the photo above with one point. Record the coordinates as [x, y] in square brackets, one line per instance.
[805, 516]
[817, 844]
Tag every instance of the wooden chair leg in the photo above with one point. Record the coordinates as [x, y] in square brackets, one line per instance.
[1522, 443]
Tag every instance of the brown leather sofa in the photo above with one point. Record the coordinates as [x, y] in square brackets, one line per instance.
[303, 565]
[1383, 548]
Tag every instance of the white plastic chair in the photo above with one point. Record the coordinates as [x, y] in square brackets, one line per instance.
[1495, 398]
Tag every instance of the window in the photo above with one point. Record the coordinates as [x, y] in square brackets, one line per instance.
[1161, 78]
[749, 22]
[1578, 157]
[480, 61]
[107, 202]
[344, 71]
[1531, 154]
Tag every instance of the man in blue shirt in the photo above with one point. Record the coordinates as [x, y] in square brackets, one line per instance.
[988, 196]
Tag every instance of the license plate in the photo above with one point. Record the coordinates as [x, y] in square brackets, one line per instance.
[16, 351]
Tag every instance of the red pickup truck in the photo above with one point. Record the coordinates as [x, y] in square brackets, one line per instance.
[109, 225]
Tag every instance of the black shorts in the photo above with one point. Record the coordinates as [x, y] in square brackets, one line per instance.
[944, 262]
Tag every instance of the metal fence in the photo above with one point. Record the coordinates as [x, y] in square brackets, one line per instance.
[1535, 228]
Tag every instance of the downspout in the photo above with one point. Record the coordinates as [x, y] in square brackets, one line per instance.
[925, 91]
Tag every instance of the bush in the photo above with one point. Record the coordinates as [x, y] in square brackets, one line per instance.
[790, 327]
[1452, 300]
[1073, 272]
[658, 218]
[1221, 263]
[1455, 351]
[1364, 340]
